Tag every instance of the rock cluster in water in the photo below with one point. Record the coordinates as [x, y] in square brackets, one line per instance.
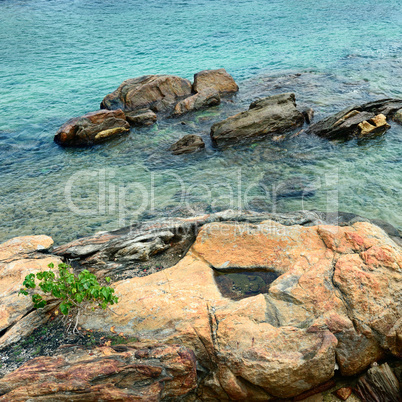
[139, 102]
[333, 300]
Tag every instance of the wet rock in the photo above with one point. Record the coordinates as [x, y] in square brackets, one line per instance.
[188, 144]
[156, 92]
[275, 114]
[19, 257]
[376, 125]
[308, 114]
[92, 128]
[124, 373]
[345, 124]
[336, 298]
[142, 117]
[398, 116]
[217, 80]
[201, 100]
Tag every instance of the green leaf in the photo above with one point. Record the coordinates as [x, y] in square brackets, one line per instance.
[64, 308]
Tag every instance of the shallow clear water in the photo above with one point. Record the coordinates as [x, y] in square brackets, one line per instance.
[59, 58]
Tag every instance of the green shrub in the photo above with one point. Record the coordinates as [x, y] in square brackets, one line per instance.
[76, 293]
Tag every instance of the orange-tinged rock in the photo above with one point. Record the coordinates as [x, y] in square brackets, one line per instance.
[24, 245]
[128, 373]
[336, 297]
[18, 259]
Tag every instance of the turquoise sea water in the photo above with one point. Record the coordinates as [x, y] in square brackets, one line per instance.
[58, 59]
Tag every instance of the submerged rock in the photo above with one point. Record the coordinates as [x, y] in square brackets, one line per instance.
[131, 372]
[142, 117]
[92, 128]
[201, 100]
[217, 80]
[345, 124]
[275, 114]
[188, 144]
[19, 257]
[156, 92]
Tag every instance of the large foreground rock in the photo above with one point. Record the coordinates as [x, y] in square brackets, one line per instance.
[217, 80]
[349, 122]
[19, 257]
[156, 92]
[275, 114]
[123, 373]
[92, 128]
[336, 299]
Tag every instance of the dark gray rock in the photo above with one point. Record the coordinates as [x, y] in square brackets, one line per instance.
[188, 144]
[275, 114]
[345, 124]
[308, 114]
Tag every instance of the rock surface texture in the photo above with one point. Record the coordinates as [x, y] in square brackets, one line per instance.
[202, 100]
[142, 117]
[123, 373]
[92, 128]
[336, 299]
[218, 80]
[275, 114]
[156, 92]
[188, 144]
[351, 121]
[19, 257]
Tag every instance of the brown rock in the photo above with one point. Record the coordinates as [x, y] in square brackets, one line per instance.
[201, 100]
[379, 384]
[265, 117]
[92, 128]
[188, 144]
[343, 393]
[125, 373]
[218, 80]
[142, 117]
[18, 258]
[156, 92]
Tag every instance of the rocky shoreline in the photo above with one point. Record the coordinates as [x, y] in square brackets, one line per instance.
[233, 305]
[330, 303]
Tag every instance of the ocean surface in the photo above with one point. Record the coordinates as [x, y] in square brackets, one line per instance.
[58, 59]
